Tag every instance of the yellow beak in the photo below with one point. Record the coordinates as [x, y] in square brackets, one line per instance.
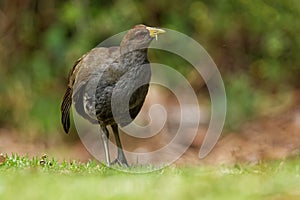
[153, 32]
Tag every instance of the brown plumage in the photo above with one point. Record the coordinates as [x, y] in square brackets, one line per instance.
[108, 83]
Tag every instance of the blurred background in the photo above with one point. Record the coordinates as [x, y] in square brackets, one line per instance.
[255, 45]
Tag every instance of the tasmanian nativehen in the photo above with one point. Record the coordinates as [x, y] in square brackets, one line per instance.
[108, 86]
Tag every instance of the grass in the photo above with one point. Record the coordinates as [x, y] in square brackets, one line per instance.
[44, 178]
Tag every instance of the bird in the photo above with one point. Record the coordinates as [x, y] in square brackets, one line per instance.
[108, 86]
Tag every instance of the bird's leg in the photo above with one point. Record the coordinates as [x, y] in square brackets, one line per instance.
[105, 137]
[121, 159]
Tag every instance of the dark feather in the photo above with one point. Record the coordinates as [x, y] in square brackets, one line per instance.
[65, 109]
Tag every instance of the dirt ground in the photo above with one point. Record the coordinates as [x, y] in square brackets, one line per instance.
[275, 137]
[265, 139]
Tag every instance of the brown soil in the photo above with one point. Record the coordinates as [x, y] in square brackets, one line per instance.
[265, 139]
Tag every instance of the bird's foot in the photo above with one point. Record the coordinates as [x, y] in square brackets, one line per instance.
[121, 162]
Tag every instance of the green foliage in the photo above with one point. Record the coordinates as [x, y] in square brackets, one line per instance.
[254, 43]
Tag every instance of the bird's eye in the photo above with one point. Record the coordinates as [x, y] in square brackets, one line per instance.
[140, 34]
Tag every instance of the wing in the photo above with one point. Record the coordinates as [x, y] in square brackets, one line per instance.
[85, 71]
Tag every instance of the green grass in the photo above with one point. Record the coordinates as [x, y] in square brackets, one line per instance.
[31, 178]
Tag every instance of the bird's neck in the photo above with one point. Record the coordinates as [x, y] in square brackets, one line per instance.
[135, 58]
[136, 66]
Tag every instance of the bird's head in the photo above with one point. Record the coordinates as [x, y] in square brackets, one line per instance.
[139, 37]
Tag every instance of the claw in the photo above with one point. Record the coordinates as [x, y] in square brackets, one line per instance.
[120, 162]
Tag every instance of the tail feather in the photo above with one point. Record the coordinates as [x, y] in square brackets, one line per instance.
[65, 109]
